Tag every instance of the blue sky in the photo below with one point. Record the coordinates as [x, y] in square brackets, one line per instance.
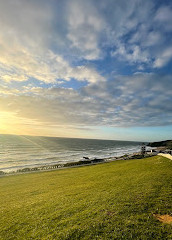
[91, 69]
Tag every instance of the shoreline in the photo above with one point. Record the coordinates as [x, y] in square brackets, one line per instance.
[81, 163]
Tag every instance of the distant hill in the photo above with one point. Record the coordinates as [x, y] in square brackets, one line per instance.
[167, 143]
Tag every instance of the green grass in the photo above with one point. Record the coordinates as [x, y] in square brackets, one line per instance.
[114, 200]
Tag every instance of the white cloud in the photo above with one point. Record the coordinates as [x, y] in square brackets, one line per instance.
[152, 38]
[164, 17]
[133, 54]
[139, 35]
[47, 41]
[164, 57]
[138, 100]
[25, 52]
[85, 25]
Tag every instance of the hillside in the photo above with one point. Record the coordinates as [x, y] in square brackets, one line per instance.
[117, 200]
[167, 143]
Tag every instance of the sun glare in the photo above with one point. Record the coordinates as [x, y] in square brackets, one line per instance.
[5, 119]
[8, 123]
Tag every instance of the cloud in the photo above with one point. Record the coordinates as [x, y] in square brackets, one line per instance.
[164, 57]
[164, 17]
[144, 33]
[85, 25]
[25, 46]
[47, 68]
[45, 44]
[133, 54]
[138, 100]
[57, 41]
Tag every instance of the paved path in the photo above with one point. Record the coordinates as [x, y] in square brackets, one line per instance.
[165, 155]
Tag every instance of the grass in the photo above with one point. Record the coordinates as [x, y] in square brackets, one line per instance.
[114, 200]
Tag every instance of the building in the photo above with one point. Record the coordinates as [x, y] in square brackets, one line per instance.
[143, 149]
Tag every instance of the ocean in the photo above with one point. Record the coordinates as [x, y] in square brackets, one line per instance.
[17, 152]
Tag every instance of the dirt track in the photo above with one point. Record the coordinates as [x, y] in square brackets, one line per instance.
[165, 155]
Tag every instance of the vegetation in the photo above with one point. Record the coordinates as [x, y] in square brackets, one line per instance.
[2, 173]
[167, 144]
[70, 164]
[114, 200]
[46, 167]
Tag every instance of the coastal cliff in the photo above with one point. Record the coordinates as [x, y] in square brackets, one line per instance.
[167, 144]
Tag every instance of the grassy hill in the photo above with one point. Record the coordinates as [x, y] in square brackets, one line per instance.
[114, 200]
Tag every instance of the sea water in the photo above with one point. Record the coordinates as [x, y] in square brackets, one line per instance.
[17, 152]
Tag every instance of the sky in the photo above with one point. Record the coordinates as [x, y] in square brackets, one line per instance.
[86, 69]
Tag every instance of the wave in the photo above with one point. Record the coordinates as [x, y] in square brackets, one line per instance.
[16, 153]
